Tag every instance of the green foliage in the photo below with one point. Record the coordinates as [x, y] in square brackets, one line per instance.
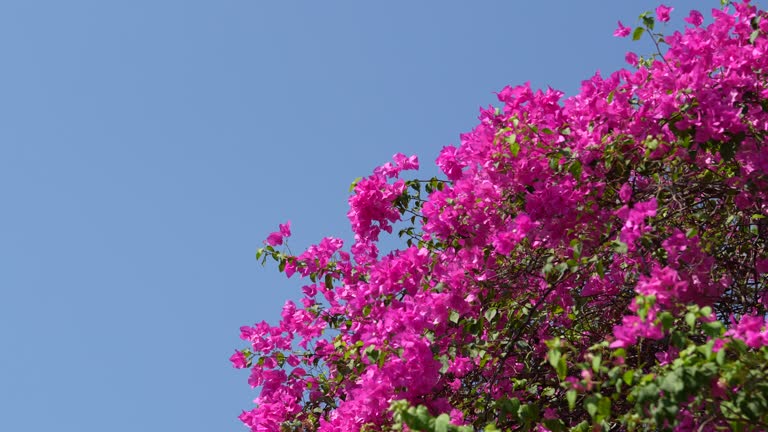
[722, 377]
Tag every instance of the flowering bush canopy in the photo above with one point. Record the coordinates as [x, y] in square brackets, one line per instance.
[591, 263]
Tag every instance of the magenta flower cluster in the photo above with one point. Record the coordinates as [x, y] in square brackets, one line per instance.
[587, 219]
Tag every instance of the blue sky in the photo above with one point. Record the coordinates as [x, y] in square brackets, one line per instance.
[148, 147]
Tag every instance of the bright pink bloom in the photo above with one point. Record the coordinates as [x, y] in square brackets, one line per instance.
[668, 356]
[751, 329]
[276, 238]
[238, 360]
[448, 163]
[632, 328]
[695, 18]
[631, 58]
[634, 225]
[662, 13]
[401, 163]
[622, 31]
[625, 193]
[505, 241]
[285, 229]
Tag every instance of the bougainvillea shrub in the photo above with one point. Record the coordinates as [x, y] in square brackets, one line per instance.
[597, 262]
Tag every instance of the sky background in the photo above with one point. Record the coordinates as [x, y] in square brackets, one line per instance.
[148, 147]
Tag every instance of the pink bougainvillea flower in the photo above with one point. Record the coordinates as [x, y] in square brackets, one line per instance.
[622, 31]
[662, 12]
[276, 238]
[401, 163]
[631, 58]
[625, 193]
[632, 328]
[285, 229]
[238, 360]
[406, 162]
[751, 329]
[447, 162]
[695, 18]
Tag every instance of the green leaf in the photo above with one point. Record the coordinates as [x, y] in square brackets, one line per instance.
[647, 392]
[672, 384]
[590, 403]
[627, 377]
[490, 314]
[514, 146]
[422, 415]
[570, 396]
[620, 247]
[577, 247]
[678, 339]
[648, 21]
[354, 183]
[720, 357]
[372, 353]
[638, 33]
[555, 425]
[652, 144]
[604, 407]
[528, 413]
[581, 427]
[596, 361]
[554, 357]
[713, 328]
[575, 169]
[667, 320]
[454, 317]
[690, 319]
[562, 368]
[753, 36]
[441, 423]
[514, 406]
[484, 357]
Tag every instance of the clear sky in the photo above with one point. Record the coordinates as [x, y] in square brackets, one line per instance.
[148, 147]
